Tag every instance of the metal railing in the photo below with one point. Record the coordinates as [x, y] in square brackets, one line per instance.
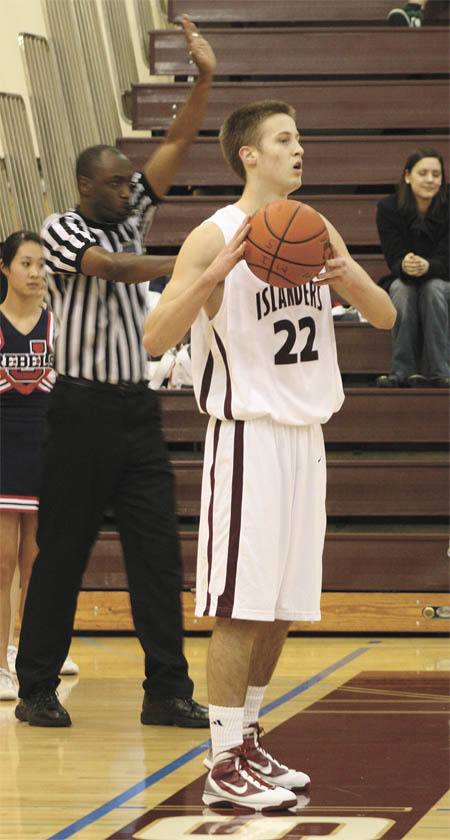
[50, 119]
[121, 50]
[97, 69]
[22, 203]
[65, 39]
[150, 14]
[9, 216]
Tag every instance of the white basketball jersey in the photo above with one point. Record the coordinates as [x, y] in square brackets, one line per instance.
[269, 352]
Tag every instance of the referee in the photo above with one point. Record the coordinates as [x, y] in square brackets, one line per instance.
[105, 446]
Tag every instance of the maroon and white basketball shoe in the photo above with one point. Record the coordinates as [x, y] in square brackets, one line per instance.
[231, 781]
[264, 765]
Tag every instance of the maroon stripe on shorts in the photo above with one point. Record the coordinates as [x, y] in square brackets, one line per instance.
[227, 413]
[206, 381]
[212, 479]
[225, 602]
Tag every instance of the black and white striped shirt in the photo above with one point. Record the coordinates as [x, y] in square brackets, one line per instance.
[100, 323]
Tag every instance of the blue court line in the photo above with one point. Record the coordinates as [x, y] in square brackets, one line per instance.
[119, 800]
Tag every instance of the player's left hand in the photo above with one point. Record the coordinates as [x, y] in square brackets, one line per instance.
[200, 51]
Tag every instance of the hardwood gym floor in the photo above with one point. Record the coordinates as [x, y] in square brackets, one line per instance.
[366, 717]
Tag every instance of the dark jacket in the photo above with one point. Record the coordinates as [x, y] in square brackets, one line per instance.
[401, 233]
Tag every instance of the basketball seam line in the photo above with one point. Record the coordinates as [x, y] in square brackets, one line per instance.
[275, 273]
[285, 259]
[281, 239]
[289, 241]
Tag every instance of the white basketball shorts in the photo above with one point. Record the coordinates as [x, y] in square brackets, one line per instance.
[262, 521]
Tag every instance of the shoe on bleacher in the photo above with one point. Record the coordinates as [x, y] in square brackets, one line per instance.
[440, 381]
[8, 689]
[69, 667]
[265, 765]
[232, 781]
[389, 381]
[416, 380]
[410, 15]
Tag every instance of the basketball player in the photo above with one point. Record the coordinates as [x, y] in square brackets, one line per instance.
[268, 377]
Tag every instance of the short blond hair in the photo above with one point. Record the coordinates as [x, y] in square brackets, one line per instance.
[242, 128]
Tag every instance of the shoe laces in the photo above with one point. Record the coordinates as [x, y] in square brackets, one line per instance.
[253, 740]
[45, 697]
[192, 704]
[189, 702]
[243, 768]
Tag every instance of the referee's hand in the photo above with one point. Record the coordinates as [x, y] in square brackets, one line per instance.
[200, 51]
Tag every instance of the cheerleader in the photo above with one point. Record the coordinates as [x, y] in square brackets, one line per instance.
[26, 380]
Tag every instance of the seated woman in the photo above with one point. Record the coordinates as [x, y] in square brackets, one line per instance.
[413, 230]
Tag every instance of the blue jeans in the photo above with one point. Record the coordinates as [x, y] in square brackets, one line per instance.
[421, 332]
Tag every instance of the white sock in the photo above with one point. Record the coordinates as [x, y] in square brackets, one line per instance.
[226, 724]
[253, 703]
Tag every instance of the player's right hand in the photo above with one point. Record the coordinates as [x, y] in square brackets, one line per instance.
[229, 256]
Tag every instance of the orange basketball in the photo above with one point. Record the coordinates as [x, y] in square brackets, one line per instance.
[288, 243]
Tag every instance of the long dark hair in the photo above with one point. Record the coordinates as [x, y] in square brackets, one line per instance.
[406, 201]
[8, 250]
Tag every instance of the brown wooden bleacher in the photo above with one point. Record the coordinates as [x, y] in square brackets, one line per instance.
[377, 484]
[328, 160]
[214, 12]
[362, 350]
[368, 416]
[352, 215]
[312, 51]
[366, 558]
[209, 13]
[336, 104]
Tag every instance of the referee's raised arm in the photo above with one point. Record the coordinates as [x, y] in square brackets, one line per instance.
[161, 167]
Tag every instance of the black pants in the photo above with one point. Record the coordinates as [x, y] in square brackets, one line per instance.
[105, 448]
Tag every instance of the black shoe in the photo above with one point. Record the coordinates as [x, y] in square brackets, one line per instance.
[440, 381]
[174, 711]
[416, 380]
[42, 708]
[390, 381]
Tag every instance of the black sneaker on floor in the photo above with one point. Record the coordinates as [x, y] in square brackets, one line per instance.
[42, 708]
[174, 711]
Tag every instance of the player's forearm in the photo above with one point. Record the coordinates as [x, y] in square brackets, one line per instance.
[172, 318]
[370, 300]
[185, 127]
[130, 268]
